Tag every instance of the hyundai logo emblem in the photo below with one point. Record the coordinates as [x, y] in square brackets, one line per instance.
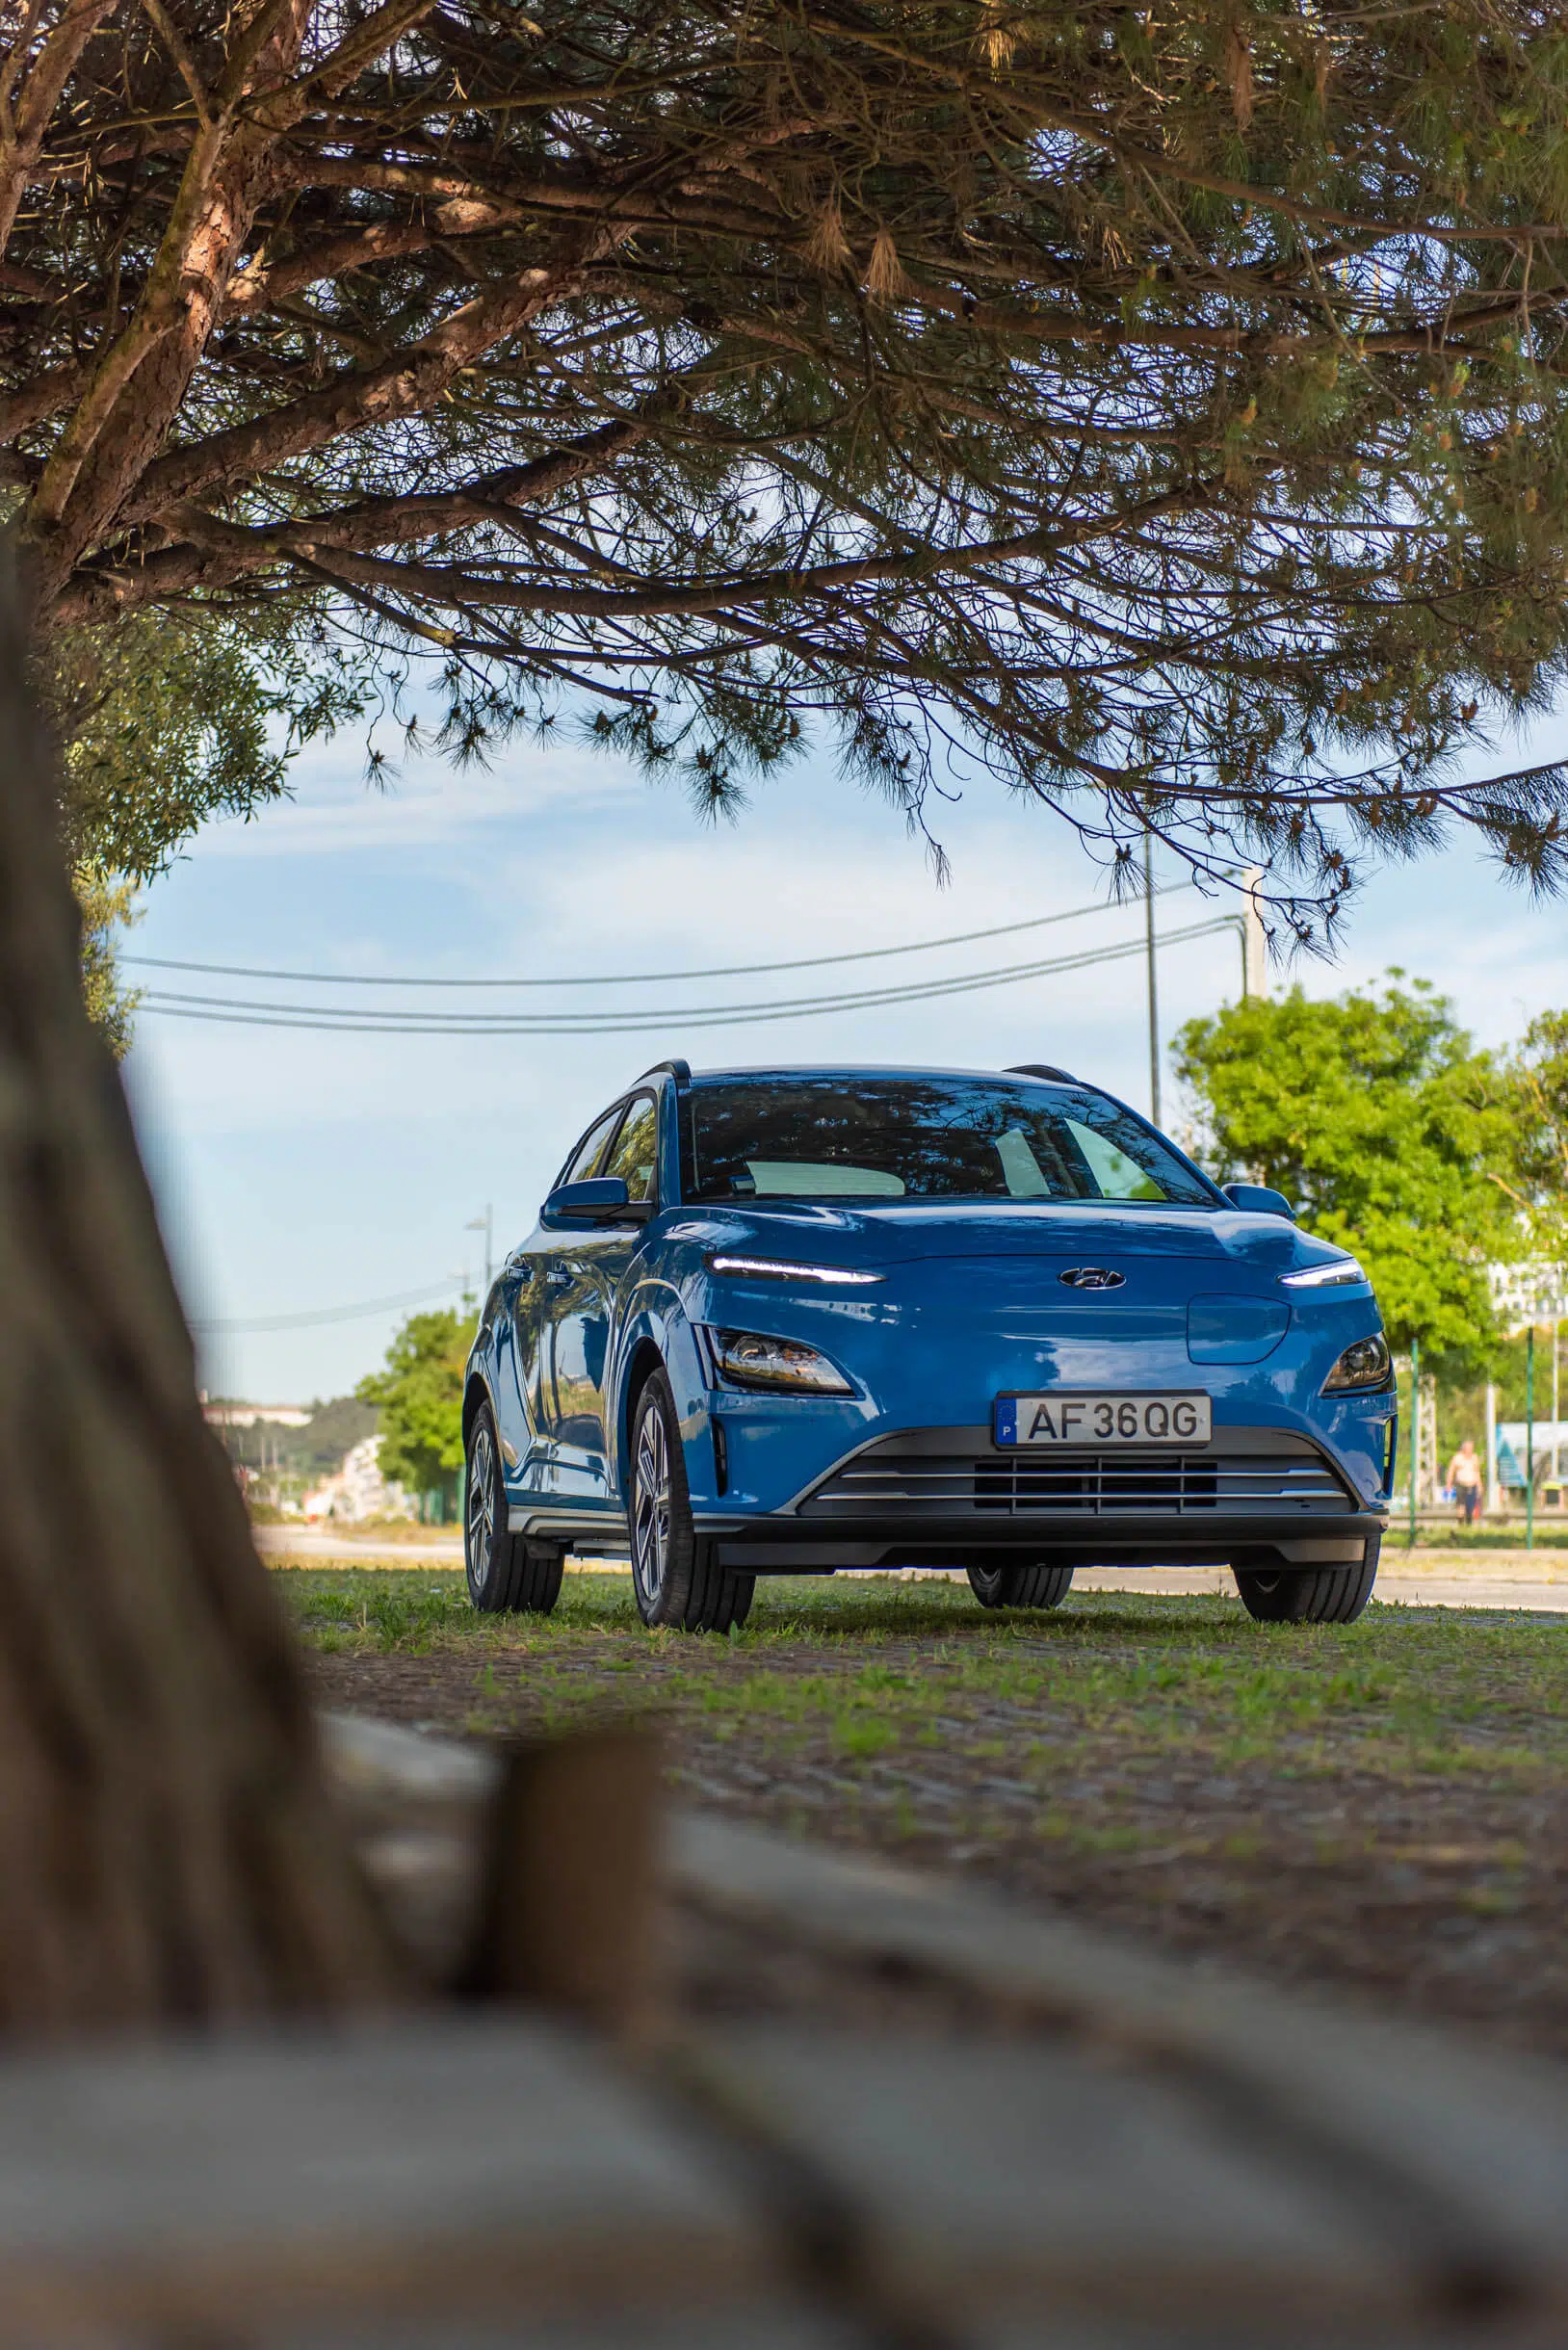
[1092, 1277]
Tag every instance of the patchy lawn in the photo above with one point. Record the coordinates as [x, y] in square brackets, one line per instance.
[1384, 1806]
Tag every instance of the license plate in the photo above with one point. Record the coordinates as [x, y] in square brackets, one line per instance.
[1108, 1420]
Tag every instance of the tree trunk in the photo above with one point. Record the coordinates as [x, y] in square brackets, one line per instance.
[167, 1848]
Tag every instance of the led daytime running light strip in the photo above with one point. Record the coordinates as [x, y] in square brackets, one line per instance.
[1343, 1270]
[774, 1268]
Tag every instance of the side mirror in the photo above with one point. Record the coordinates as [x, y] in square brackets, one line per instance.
[1253, 1198]
[602, 1199]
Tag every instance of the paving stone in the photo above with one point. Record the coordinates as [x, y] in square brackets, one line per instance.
[377, 1765]
[1461, 2152]
[1360, 2165]
[452, 2168]
[769, 2324]
[995, 2171]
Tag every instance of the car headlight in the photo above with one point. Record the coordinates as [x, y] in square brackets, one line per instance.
[1338, 1271]
[748, 1359]
[777, 1269]
[1366, 1363]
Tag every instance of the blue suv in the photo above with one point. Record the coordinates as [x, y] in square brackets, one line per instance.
[784, 1320]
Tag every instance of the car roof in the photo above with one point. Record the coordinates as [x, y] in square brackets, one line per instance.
[852, 1069]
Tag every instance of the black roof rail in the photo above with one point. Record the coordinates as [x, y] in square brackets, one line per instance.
[679, 1070]
[1040, 1068]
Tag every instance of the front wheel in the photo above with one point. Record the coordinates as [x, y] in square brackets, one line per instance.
[676, 1578]
[504, 1571]
[1313, 1594]
[1030, 1586]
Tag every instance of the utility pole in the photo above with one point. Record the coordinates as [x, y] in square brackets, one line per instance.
[1494, 1499]
[1153, 990]
[485, 1223]
[1254, 937]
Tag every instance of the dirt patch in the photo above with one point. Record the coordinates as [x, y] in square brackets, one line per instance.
[1383, 1809]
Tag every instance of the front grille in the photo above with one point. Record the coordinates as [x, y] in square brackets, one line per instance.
[895, 1480]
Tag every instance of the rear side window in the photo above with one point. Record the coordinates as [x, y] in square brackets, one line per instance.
[1117, 1176]
[635, 1155]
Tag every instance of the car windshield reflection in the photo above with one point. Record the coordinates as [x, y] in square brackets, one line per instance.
[883, 1138]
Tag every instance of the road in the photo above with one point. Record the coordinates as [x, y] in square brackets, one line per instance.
[1510, 1584]
[1427, 1578]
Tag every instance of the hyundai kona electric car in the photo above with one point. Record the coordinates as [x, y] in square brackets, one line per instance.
[789, 1320]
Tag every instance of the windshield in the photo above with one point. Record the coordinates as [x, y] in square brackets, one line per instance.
[870, 1139]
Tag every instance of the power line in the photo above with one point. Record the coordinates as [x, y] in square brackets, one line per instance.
[325, 1314]
[358, 1022]
[634, 978]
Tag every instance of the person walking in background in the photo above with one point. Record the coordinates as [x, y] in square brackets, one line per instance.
[1467, 1478]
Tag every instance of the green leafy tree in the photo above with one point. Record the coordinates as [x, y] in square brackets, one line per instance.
[420, 1393]
[1536, 1079]
[166, 720]
[1163, 410]
[106, 908]
[1374, 1114]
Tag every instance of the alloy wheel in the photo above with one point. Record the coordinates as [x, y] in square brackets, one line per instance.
[650, 1522]
[480, 1515]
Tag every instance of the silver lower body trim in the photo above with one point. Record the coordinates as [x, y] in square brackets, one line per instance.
[599, 1530]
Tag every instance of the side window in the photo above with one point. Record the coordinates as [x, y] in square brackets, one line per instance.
[585, 1161]
[1020, 1167]
[1117, 1176]
[635, 1155]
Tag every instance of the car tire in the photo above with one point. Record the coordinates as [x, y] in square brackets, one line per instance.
[676, 1579]
[1041, 1585]
[1313, 1595]
[506, 1572]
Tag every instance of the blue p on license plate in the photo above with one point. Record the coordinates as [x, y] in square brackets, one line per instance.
[1103, 1419]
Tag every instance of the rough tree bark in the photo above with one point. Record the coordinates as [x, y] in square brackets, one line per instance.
[166, 1851]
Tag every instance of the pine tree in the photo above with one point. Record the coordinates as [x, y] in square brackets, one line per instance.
[1162, 410]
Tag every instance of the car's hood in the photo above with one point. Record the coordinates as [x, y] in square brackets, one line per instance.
[904, 1231]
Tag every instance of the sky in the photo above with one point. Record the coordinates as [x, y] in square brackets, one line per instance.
[305, 1173]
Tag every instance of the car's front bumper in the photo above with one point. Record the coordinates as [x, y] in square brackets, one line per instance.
[1253, 1497]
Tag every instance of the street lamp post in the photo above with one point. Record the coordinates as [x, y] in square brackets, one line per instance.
[1415, 1430]
[1530, 1438]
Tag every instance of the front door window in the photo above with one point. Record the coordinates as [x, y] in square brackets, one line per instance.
[635, 1155]
[585, 1159]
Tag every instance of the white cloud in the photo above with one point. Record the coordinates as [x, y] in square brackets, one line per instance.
[334, 810]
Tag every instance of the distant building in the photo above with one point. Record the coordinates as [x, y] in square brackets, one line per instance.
[1534, 1290]
[247, 1415]
[359, 1489]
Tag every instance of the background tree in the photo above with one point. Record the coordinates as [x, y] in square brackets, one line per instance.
[1536, 1078]
[165, 720]
[105, 908]
[1163, 410]
[1377, 1115]
[420, 1394]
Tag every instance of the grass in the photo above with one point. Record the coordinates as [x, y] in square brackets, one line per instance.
[869, 1670]
[1381, 1807]
[1550, 1534]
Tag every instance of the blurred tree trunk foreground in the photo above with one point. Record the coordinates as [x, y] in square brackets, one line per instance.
[166, 1851]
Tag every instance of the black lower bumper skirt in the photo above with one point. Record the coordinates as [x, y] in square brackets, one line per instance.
[787, 1547]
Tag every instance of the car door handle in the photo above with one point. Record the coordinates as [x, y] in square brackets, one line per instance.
[557, 1277]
